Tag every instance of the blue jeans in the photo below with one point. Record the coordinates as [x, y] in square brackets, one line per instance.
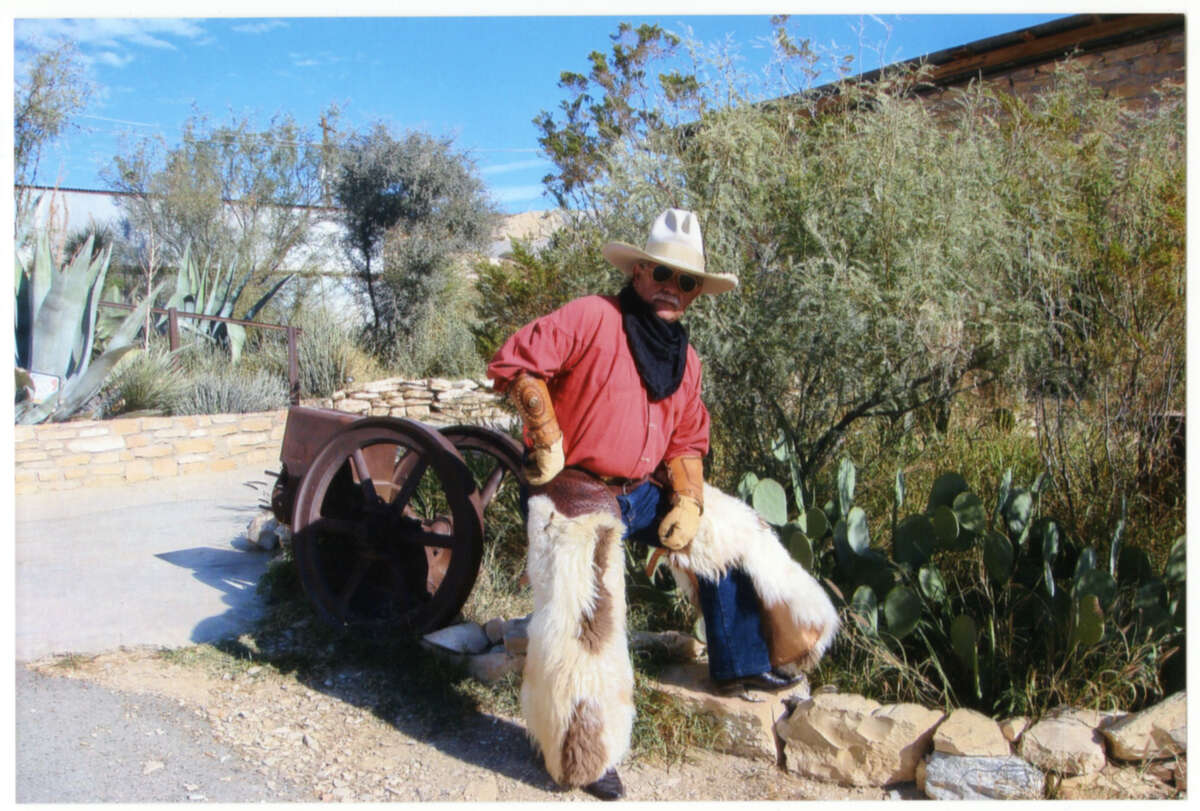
[731, 608]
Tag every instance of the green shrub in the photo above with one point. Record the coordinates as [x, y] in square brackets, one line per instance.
[326, 353]
[891, 254]
[231, 390]
[989, 605]
[531, 284]
[144, 381]
[437, 338]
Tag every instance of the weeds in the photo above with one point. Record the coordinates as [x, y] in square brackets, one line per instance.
[228, 392]
[144, 381]
[664, 728]
[72, 661]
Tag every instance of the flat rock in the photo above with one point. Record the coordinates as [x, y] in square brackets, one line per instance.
[467, 637]
[1064, 745]
[672, 645]
[516, 636]
[1114, 783]
[1096, 719]
[852, 740]
[955, 777]
[1014, 728]
[747, 721]
[493, 666]
[970, 733]
[1152, 734]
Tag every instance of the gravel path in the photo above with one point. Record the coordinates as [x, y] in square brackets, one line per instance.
[134, 726]
[78, 742]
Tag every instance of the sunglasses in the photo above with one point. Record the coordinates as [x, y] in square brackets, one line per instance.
[685, 283]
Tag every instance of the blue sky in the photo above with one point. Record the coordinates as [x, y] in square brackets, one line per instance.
[480, 80]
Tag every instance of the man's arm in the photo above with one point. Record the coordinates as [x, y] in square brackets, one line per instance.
[533, 355]
[531, 397]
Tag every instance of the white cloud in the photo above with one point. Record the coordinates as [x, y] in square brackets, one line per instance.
[107, 42]
[261, 27]
[517, 194]
[114, 60]
[304, 60]
[109, 33]
[515, 166]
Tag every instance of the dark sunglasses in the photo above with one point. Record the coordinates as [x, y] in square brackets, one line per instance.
[684, 282]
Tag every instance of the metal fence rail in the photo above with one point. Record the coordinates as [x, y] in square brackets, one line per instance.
[173, 315]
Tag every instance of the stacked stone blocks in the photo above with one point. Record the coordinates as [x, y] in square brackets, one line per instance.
[96, 453]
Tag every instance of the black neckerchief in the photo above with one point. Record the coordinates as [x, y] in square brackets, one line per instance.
[659, 347]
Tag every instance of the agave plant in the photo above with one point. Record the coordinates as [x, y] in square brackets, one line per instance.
[55, 323]
[212, 290]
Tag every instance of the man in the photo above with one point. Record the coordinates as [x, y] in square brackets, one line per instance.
[609, 391]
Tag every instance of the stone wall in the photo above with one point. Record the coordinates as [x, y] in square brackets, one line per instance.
[434, 400]
[94, 453]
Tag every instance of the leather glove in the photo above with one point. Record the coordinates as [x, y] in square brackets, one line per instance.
[679, 525]
[531, 397]
[543, 464]
[685, 474]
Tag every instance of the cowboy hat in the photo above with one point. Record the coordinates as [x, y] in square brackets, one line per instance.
[674, 241]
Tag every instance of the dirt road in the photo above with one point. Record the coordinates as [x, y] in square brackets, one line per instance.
[254, 733]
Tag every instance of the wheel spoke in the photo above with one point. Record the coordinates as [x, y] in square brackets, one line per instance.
[492, 485]
[361, 565]
[336, 526]
[423, 537]
[410, 481]
[359, 464]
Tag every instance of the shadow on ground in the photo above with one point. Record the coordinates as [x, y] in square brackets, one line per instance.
[234, 573]
[405, 686]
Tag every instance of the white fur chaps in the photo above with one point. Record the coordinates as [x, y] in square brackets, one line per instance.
[799, 620]
[577, 690]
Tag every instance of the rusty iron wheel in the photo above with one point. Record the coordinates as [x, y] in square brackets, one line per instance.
[388, 528]
[499, 455]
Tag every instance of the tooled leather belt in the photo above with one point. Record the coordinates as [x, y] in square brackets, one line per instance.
[617, 485]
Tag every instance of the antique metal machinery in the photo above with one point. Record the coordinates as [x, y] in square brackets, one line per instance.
[387, 514]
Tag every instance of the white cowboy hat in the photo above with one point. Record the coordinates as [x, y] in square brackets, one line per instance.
[675, 242]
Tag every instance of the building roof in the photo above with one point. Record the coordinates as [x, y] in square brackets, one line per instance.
[1037, 44]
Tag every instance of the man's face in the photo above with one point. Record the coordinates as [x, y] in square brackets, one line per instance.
[667, 299]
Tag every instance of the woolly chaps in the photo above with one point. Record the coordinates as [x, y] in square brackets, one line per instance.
[799, 620]
[577, 689]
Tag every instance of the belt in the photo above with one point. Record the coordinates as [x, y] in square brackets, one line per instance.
[617, 485]
[621, 486]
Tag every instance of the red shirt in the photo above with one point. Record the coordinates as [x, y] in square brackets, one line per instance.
[609, 425]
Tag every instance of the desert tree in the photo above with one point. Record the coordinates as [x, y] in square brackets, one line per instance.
[411, 209]
[47, 95]
[233, 195]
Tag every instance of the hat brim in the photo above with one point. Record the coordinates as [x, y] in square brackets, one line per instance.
[624, 256]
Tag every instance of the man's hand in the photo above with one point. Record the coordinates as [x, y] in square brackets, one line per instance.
[544, 463]
[679, 526]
